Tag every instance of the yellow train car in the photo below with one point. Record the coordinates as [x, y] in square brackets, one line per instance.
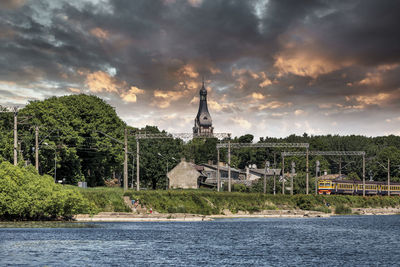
[352, 187]
[325, 187]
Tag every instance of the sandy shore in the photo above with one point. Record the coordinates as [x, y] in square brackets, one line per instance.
[161, 217]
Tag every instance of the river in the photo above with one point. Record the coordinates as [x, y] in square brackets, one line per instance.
[335, 241]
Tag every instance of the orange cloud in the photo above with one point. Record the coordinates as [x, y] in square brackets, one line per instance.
[100, 81]
[273, 105]
[305, 64]
[241, 122]
[12, 3]
[99, 33]
[257, 96]
[373, 99]
[195, 3]
[131, 95]
[299, 112]
[189, 71]
[375, 77]
[164, 98]
[243, 75]
[74, 90]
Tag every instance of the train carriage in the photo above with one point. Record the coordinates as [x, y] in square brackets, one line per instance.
[353, 187]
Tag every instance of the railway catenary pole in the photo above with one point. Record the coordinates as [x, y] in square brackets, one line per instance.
[316, 176]
[125, 159]
[307, 182]
[15, 136]
[388, 175]
[218, 174]
[137, 165]
[363, 175]
[230, 145]
[266, 169]
[283, 175]
[274, 173]
[133, 169]
[229, 166]
[37, 148]
[291, 178]
[326, 153]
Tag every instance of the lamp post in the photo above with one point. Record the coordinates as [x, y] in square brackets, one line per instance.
[266, 169]
[317, 164]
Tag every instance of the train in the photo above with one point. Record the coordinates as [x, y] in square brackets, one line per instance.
[353, 187]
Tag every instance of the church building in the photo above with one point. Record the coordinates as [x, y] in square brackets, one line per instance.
[203, 121]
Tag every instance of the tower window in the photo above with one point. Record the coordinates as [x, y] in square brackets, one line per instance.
[204, 118]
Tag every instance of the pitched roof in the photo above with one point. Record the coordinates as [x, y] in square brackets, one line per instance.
[221, 168]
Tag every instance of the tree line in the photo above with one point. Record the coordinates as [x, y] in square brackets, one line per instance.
[72, 142]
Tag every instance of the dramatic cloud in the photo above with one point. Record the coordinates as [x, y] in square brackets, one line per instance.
[271, 67]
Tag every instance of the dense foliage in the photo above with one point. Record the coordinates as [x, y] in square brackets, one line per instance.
[26, 195]
[71, 137]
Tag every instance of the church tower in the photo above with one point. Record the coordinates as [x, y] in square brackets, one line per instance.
[203, 121]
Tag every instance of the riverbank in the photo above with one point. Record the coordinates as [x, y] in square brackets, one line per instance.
[131, 217]
[206, 202]
[170, 217]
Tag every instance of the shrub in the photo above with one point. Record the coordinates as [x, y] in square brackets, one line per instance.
[26, 195]
[342, 209]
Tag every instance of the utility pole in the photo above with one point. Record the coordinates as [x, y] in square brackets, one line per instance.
[340, 167]
[316, 176]
[166, 187]
[266, 169]
[291, 177]
[283, 175]
[388, 175]
[126, 160]
[133, 169]
[137, 165]
[363, 175]
[55, 164]
[307, 180]
[218, 175]
[15, 136]
[229, 166]
[37, 148]
[274, 173]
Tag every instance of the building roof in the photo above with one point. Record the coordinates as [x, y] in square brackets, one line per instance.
[332, 177]
[222, 168]
[262, 171]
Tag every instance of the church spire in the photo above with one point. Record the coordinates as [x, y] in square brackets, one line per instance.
[203, 121]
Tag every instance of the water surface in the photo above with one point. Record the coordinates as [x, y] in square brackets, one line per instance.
[348, 241]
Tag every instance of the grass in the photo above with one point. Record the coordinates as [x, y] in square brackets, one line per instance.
[208, 202]
[106, 199]
[342, 209]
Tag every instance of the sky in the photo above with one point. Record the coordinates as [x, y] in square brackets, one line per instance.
[271, 68]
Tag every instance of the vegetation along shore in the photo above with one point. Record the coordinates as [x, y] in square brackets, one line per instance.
[26, 195]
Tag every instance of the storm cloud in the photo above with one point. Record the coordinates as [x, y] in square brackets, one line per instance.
[272, 68]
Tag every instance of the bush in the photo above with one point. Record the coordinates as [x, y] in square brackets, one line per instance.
[342, 209]
[26, 195]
